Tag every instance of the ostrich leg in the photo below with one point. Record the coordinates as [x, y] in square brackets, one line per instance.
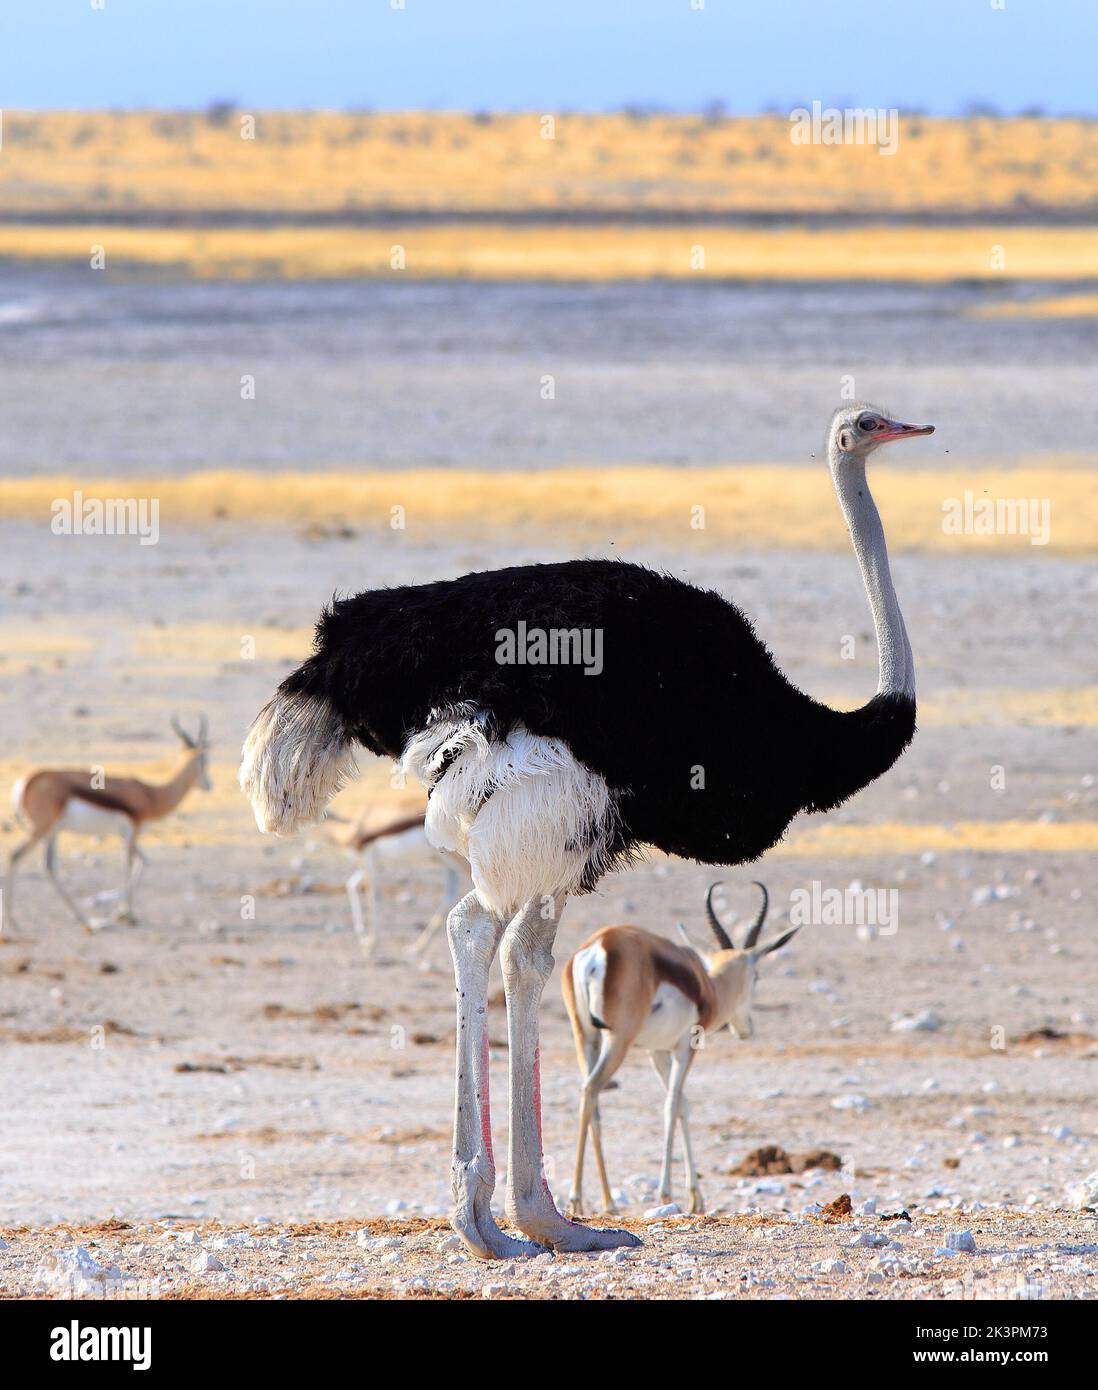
[474, 935]
[527, 959]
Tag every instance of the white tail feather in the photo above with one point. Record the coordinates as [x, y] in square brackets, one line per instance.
[295, 759]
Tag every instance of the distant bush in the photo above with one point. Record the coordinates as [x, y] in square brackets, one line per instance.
[220, 112]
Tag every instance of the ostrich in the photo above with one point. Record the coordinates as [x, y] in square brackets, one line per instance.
[545, 777]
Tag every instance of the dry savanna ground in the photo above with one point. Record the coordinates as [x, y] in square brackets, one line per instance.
[229, 1100]
[400, 193]
[331, 162]
[1048, 503]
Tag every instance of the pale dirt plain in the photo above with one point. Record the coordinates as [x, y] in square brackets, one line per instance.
[256, 1092]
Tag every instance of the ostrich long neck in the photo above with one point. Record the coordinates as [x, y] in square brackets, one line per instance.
[896, 667]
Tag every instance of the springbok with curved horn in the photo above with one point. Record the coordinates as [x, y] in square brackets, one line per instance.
[51, 799]
[627, 987]
[392, 824]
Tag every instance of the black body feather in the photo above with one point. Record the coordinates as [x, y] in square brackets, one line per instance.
[707, 748]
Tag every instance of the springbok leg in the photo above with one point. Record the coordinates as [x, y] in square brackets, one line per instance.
[7, 907]
[63, 892]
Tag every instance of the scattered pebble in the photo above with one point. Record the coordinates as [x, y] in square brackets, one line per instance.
[925, 1022]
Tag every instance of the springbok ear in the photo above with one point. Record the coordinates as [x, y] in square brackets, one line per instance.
[183, 735]
[774, 945]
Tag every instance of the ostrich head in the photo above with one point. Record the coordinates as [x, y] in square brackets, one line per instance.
[858, 429]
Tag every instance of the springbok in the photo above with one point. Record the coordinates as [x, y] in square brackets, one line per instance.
[391, 825]
[625, 986]
[50, 800]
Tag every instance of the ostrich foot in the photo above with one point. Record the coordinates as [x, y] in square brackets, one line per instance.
[473, 1221]
[553, 1230]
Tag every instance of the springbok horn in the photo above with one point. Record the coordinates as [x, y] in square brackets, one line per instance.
[757, 924]
[778, 943]
[203, 728]
[179, 729]
[723, 939]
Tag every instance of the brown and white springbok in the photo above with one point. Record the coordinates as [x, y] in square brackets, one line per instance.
[627, 987]
[392, 825]
[52, 799]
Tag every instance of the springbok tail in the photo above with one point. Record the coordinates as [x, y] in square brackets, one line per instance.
[297, 756]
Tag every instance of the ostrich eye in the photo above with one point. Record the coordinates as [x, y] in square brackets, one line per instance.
[868, 423]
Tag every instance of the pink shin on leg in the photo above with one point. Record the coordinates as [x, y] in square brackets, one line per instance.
[527, 964]
[474, 935]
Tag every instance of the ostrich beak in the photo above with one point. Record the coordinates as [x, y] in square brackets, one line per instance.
[898, 430]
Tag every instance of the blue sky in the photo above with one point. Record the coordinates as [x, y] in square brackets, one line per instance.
[550, 55]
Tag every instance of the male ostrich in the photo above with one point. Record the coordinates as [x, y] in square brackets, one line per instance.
[544, 776]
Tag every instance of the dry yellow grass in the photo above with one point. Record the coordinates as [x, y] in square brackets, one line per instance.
[903, 837]
[339, 165]
[339, 162]
[752, 507]
[223, 817]
[493, 251]
[1064, 306]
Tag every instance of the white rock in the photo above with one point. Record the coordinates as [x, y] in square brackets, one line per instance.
[4, 1245]
[869, 1240]
[874, 1276]
[391, 1257]
[832, 1267]
[868, 1207]
[381, 1242]
[670, 1209]
[857, 1103]
[75, 1271]
[206, 1263]
[961, 1240]
[925, 1022]
[395, 1207]
[1085, 1193]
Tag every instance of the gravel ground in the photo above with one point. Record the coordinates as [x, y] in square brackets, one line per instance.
[984, 1255]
